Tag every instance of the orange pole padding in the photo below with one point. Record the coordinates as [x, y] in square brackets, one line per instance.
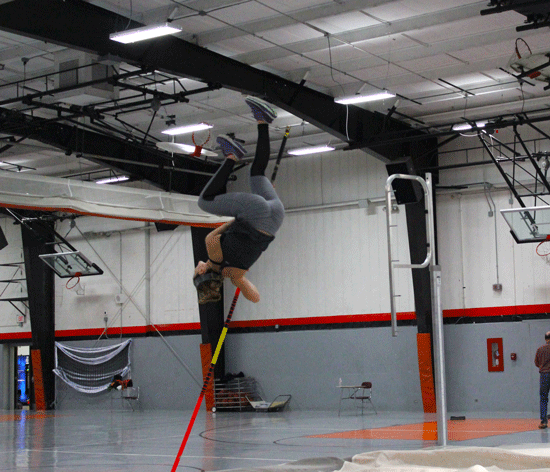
[206, 360]
[39, 396]
[425, 371]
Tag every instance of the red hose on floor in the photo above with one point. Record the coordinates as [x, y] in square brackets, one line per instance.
[206, 381]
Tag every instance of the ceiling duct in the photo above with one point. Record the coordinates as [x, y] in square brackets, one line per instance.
[73, 68]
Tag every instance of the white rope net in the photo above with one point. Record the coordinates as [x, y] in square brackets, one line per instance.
[91, 370]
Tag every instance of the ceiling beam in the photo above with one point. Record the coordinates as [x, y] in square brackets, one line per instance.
[79, 25]
[154, 166]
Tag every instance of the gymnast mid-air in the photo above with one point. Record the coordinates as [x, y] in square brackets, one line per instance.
[236, 245]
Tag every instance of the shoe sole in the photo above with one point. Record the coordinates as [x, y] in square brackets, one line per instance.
[269, 113]
[240, 150]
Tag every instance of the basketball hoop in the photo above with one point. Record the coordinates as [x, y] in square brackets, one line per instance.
[543, 250]
[534, 66]
[200, 138]
[74, 283]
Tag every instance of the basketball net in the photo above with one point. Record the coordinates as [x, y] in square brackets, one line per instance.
[200, 138]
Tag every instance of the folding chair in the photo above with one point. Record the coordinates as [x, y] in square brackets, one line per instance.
[364, 394]
[276, 405]
[131, 395]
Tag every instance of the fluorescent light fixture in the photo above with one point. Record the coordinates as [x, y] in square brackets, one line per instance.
[184, 147]
[145, 32]
[467, 126]
[310, 150]
[112, 180]
[361, 98]
[187, 129]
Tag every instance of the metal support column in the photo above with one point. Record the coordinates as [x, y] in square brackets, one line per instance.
[435, 270]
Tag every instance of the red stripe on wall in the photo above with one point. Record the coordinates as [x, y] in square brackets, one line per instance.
[21, 336]
[495, 312]
[128, 330]
[174, 327]
[321, 320]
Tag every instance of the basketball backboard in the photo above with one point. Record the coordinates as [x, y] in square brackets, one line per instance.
[70, 264]
[528, 225]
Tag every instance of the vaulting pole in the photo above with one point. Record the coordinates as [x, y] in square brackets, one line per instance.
[206, 380]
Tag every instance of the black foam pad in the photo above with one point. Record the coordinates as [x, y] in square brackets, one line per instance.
[3, 240]
[207, 277]
[405, 191]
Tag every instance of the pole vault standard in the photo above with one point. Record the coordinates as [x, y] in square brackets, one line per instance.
[435, 272]
[206, 380]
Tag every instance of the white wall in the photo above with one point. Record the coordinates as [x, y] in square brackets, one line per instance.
[151, 270]
[12, 254]
[325, 262]
[329, 262]
[470, 240]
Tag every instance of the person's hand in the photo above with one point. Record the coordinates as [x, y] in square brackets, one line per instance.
[201, 268]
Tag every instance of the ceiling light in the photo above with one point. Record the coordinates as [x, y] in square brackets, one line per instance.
[179, 146]
[146, 32]
[362, 98]
[187, 129]
[112, 180]
[310, 150]
[467, 126]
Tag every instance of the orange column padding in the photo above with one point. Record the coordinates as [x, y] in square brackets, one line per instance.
[39, 397]
[425, 370]
[206, 360]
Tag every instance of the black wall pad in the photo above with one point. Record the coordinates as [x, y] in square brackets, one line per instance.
[211, 315]
[406, 191]
[165, 226]
[3, 240]
[37, 239]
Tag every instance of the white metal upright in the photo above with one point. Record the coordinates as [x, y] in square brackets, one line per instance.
[435, 274]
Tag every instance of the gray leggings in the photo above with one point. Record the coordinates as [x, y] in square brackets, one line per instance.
[262, 208]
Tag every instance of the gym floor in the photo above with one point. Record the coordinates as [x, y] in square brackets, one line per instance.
[148, 441]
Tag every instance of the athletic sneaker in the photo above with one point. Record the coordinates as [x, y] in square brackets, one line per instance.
[543, 425]
[229, 145]
[261, 110]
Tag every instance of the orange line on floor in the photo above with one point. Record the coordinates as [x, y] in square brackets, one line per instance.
[25, 416]
[427, 431]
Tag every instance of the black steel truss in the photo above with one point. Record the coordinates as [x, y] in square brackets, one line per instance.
[172, 173]
[538, 187]
[537, 12]
[80, 25]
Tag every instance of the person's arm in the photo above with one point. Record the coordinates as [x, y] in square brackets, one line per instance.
[213, 246]
[537, 359]
[248, 289]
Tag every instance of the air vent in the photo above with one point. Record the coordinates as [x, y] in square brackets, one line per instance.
[75, 68]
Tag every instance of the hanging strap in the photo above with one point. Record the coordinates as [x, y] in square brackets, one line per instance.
[281, 151]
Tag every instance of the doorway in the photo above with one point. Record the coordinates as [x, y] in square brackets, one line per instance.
[23, 378]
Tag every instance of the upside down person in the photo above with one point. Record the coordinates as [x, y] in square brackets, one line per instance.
[235, 246]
